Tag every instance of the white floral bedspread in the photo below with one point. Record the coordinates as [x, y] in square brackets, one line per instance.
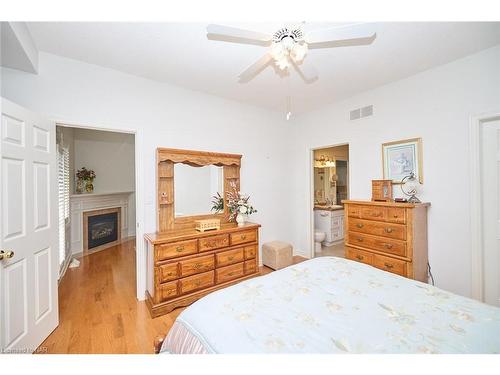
[333, 305]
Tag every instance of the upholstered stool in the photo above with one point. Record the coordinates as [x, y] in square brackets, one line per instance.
[277, 254]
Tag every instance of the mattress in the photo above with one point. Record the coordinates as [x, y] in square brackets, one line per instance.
[334, 305]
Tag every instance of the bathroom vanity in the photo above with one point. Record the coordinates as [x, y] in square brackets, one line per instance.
[330, 221]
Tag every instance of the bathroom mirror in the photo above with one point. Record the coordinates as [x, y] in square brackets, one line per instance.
[197, 190]
[325, 185]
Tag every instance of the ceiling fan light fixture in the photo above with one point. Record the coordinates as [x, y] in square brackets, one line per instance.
[283, 62]
[299, 51]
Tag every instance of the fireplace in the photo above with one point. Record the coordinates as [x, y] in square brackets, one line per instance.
[101, 228]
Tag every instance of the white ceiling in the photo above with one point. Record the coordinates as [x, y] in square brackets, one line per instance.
[181, 54]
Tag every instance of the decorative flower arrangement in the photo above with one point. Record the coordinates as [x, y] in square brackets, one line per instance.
[238, 206]
[85, 179]
[217, 203]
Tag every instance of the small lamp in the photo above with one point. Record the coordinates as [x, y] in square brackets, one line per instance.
[410, 187]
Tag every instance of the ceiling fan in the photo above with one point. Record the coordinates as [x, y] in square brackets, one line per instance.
[289, 46]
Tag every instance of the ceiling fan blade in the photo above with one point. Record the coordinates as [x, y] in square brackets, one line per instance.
[306, 72]
[235, 35]
[255, 68]
[346, 36]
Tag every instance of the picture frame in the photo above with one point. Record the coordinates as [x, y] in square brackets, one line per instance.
[400, 158]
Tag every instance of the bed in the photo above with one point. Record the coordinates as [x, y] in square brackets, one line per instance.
[334, 305]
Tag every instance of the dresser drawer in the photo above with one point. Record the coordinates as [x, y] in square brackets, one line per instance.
[167, 272]
[192, 283]
[386, 245]
[213, 242]
[243, 237]
[229, 273]
[229, 257]
[166, 291]
[358, 255]
[396, 231]
[373, 213]
[250, 266]
[250, 252]
[353, 211]
[197, 265]
[390, 264]
[176, 249]
[396, 215]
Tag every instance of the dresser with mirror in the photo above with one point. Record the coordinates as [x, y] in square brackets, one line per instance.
[184, 264]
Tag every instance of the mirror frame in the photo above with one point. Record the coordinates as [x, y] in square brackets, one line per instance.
[166, 158]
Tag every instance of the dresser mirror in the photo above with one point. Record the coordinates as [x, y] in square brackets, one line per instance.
[198, 190]
[187, 181]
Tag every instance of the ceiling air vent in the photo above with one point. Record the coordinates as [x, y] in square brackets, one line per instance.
[358, 113]
[355, 114]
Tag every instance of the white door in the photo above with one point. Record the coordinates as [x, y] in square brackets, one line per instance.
[490, 172]
[28, 230]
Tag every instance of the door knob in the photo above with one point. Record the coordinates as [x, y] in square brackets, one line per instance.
[6, 254]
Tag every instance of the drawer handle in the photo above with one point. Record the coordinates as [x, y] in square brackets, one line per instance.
[360, 239]
[244, 237]
[197, 266]
[197, 283]
[388, 245]
[231, 274]
[360, 225]
[396, 216]
[388, 265]
[169, 274]
[230, 258]
[179, 249]
[359, 257]
[377, 214]
[388, 230]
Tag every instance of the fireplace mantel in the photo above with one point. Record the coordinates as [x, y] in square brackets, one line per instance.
[81, 203]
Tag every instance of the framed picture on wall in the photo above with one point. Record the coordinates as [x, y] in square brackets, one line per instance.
[400, 158]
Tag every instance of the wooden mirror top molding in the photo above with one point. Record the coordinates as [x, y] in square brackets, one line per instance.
[166, 158]
[198, 158]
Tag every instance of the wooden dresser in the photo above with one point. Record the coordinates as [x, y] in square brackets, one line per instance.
[185, 265]
[388, 235]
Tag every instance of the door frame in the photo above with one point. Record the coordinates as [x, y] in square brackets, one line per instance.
[477, 275]
[311, 188]
[140, 248]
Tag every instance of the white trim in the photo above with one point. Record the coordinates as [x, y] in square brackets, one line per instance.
[477, 277]
[311, 189]
[139, 200]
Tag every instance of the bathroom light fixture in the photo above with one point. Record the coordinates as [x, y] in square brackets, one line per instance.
[324, 162]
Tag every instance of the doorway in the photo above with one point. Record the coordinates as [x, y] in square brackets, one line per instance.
[330, 185]
[485, 208]
[96, 189]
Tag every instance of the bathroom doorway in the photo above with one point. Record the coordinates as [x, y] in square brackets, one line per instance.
[330, 186]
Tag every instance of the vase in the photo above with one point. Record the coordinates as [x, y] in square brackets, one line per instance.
[89, 186]
[80, 186]
[240, 219]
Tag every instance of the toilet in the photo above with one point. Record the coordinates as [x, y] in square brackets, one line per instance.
[318, 238]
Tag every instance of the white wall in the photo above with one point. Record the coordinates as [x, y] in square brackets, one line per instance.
[110, 155]
[166, 116]
[435, 105]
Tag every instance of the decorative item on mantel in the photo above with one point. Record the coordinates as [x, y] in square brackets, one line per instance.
[238, 206]
[85, 180]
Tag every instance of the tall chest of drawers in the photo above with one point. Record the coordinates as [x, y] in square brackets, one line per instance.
[185, 265]
[388, 235]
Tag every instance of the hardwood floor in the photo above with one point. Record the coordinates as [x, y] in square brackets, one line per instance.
[98, 309]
